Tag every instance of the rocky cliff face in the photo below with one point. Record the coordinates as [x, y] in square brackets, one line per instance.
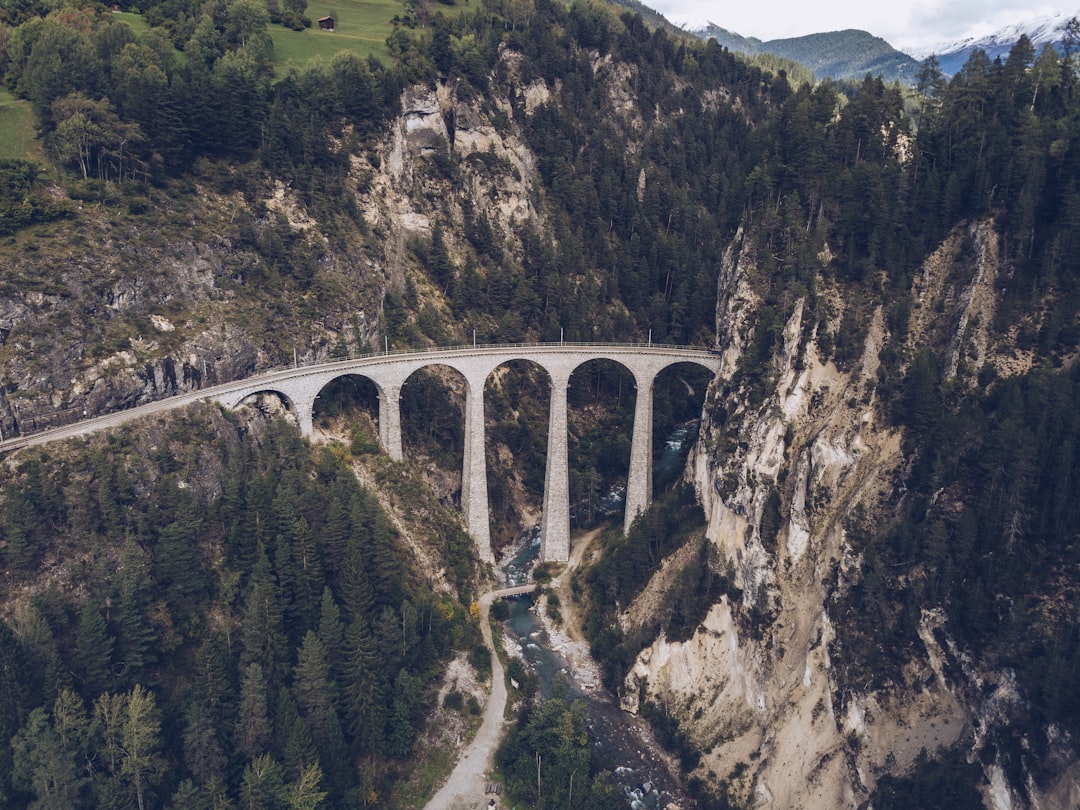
[761, 687]
[113, 308]
[406, 198]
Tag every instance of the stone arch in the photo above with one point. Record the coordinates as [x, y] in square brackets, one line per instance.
[599, 448]
[679, 390]
[517, 404]
[354, 396]
[432, 403]
[690, 361]
[263, 399]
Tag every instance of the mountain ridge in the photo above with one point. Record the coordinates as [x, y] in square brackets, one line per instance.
[843, 55]
[852, 53]
[1042, 31]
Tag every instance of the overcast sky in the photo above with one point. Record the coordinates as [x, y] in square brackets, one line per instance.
[903, 23]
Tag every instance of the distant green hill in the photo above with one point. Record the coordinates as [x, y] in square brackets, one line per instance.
[730, 40]
[849, 54]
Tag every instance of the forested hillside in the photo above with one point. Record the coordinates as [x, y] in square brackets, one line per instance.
[214, 614]
[529, 170]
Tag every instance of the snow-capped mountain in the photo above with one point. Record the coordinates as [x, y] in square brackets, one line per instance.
[852, 54]
[1040, 30]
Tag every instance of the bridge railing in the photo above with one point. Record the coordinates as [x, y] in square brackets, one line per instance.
[468, 347]
[197, 394]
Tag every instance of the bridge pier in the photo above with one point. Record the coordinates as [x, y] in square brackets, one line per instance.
[305, 415]
[390, 421]
[639, 478]
[474, 493]
[555, 523]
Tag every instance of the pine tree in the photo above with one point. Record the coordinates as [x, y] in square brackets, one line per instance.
[20, 554]
[387, 580]
[357, 596]
[135, 637]
[263, 641]
[442, 268]
[363, 688]
[70, 721]
[93, 650]
[177, 566]
[106, 731]
[262, 785]
[331, 631]
[44, 766]
[204, 754]
[213, 677]
[388, 637]
[399, 731]
[309, 580]
[141, 763]
[334, 535]
[316, 695]
[187, 797]
[311, 684]
[285, 580]
[292, 739]
[252, 734]
[303, 793]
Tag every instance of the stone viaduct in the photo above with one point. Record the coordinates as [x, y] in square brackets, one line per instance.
[300, 386]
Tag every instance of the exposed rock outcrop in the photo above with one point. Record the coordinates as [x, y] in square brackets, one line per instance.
[757, 686]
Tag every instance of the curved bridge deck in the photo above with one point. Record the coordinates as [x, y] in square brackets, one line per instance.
[299, 386]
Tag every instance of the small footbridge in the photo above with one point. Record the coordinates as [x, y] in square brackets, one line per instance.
[517, 590]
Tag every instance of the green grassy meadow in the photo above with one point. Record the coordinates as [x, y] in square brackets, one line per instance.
[362, 26]
[136, 22]
[17, 133]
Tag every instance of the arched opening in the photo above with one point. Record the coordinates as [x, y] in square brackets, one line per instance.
[433, 427]
[600, 422]
[269, 403]
[678, 396]
[347, 408]
[517, 404]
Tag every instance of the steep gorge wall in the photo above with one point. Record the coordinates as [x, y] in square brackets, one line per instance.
[115, 308]
[762, 686]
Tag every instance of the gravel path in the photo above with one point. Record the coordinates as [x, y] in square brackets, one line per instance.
[464, 790]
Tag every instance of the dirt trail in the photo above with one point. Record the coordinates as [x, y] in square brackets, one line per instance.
[571, 621]
[464, 789]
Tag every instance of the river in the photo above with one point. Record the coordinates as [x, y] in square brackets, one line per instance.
[622, 743]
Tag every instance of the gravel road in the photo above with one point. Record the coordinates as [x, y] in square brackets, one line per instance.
[464, 790]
